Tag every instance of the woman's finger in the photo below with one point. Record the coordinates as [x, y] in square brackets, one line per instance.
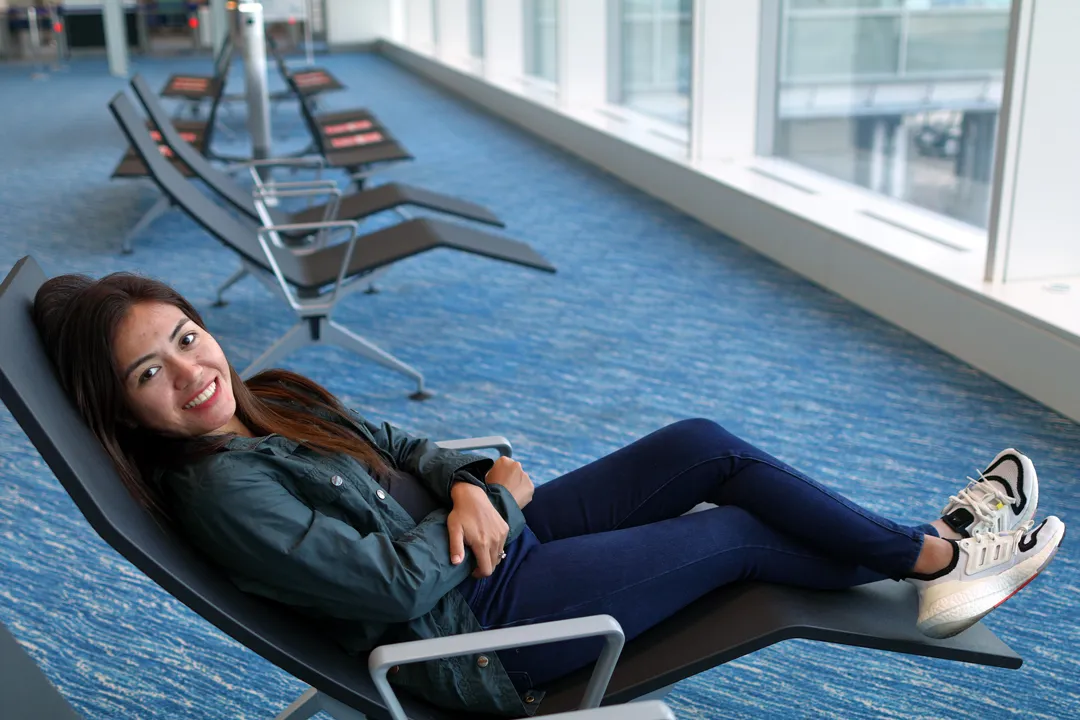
[457, 542]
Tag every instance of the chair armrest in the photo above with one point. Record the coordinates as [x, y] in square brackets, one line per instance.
[384, 657]
[272, 230]
[494, 442]
[647, 710]
[315, 162]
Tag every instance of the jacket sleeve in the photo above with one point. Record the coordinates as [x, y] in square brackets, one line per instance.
[281, 547]
[433, 466]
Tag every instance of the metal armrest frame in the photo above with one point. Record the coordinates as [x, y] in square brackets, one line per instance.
[385, 657]
[271, 231]
[493, 442]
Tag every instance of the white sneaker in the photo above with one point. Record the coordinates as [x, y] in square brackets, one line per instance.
[1002, 499]
[988, 570]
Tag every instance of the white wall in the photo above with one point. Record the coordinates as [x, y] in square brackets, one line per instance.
[1041, 238]
[349, 22]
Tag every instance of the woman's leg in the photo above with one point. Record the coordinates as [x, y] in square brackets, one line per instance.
[668, 472]
[641, 575]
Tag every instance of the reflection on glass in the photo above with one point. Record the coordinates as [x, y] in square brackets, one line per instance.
[654, 40]
[842, 46]
[476, 28]
[898, 97]
[542, 39]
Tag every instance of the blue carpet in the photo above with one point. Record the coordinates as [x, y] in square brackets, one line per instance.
[652, 318]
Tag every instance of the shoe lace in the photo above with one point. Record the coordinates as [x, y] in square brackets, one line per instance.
[984, 498]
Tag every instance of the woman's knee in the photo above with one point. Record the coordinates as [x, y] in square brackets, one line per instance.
[700, 429]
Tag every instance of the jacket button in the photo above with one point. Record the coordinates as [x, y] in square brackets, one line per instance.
[482, 661]
[530, 699]
[336, 481]
[380, 494]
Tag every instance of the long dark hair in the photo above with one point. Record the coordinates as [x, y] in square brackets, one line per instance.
[77, 318]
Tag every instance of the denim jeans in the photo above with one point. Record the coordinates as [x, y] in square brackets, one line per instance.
[613, 537]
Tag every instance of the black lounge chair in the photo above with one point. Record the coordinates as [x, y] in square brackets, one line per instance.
[198, 133]
[354, 206]
[352, 140]
[723, 626]
[195, 89]
[314, 281]
[310, 81]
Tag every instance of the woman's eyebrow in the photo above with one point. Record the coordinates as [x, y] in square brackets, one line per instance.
[131, 368]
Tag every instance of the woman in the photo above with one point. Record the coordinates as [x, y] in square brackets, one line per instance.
[384, 537]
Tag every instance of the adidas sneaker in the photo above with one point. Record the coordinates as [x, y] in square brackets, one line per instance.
[987, 570]
[1002, 499]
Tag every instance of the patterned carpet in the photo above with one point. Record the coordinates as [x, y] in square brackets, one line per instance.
[652, 318]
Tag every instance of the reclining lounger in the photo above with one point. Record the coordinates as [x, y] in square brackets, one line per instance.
[314, 281]
[196, 88]
[310, 81]
[725, 625]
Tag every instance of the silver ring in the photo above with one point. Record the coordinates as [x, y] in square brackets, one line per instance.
[502, 554]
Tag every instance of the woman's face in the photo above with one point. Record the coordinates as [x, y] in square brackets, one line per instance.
[175, 377]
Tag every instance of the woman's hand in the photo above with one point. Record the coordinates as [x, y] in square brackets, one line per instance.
[475, 522]
[508, 473]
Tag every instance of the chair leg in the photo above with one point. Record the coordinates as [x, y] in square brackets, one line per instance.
[302, 707]
[340, 336]
[158, 209]
[236, 277]
[298, 336]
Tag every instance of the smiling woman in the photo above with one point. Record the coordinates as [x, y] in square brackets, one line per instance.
[387, 537]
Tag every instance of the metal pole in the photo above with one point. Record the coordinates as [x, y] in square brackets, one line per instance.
[309, 32]
[258, 98]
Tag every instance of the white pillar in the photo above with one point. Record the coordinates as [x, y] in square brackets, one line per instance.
[723, 115]
[504, 61]
[1035, 215]
[453, 31]
[582, 47]
[898, 179]
[112, 14]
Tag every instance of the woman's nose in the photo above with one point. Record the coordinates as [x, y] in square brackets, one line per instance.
[186, 372]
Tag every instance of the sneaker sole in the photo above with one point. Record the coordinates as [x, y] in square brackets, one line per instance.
[954, 620]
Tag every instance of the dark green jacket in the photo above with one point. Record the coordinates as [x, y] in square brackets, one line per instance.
[319, 534]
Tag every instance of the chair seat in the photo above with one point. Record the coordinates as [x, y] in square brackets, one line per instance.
[358, 157]
[740, 619]
[191, 87]
[392, 195]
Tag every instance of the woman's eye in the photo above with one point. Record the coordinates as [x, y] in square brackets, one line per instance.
[148, 373]
[187, 340]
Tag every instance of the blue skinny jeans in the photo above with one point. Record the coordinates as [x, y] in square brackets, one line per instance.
[613, 537]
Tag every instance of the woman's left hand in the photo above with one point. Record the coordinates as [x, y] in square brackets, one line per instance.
[475, 522]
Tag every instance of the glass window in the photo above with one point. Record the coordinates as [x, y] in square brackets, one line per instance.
[476, 28]
[826, 46]
[542, 39]
[653, 59]
[898, 97]
[945, 42]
